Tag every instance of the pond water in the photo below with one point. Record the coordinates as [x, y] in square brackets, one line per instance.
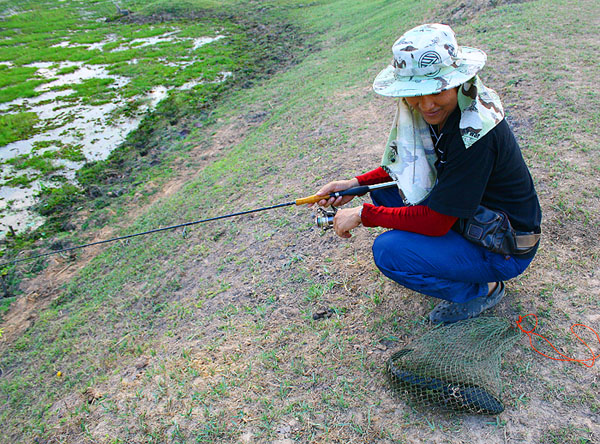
[95, 130]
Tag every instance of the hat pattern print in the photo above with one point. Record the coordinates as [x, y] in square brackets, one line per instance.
[428, 60]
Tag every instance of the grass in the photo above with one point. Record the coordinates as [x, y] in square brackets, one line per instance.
[570, 434]
[150, 150]
[40, 26]
[17, 126]
[222, 316]
[153, 61]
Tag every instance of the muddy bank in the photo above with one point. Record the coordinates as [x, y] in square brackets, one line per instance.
[269, 45]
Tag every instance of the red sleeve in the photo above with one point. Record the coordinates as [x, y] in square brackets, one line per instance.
[373, 177]
[417, 219]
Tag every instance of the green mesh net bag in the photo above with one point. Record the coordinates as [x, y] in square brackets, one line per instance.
[456, 367]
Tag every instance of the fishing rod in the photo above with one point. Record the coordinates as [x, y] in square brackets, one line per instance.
[325, 221]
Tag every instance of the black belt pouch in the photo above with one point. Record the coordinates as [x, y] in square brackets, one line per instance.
[492, 230]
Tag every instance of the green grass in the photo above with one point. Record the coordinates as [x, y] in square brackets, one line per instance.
[55, 200]
[225, 320]
[41, 163]
[15, 76]
[40, 26]
[59, 21]
[570, 434]
[4, 306]
[17, 126]
[140, 262]
[247, 51]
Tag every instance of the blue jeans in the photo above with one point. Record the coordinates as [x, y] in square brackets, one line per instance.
[447, 267]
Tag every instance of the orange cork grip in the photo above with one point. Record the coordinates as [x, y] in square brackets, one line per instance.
[311, 199]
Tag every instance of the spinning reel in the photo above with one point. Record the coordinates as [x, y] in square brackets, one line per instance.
[324, 220]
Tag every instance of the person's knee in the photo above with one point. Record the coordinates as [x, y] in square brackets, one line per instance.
[385, 249]
[399, 251]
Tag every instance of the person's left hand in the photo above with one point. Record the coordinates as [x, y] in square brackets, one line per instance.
[345, 220]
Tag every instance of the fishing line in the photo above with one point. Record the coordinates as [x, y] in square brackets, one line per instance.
[156, 230]
[355, 191]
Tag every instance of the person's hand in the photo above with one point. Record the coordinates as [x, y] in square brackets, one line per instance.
[332, 187]
[346, 220]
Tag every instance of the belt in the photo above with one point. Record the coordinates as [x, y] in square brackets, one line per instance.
[527, 240]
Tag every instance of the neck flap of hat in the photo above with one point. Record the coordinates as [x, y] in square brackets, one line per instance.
[480, 110]
[409, 157]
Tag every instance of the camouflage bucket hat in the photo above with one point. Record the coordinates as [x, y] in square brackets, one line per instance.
[428, 60]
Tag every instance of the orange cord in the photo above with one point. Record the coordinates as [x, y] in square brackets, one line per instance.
[530, 333]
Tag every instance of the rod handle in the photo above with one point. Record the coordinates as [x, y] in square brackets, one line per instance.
[311, 199]
[354, 191]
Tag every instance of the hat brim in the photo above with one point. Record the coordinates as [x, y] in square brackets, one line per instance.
[388, 84]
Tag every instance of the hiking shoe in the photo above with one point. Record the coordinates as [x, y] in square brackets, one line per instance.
[448, 312]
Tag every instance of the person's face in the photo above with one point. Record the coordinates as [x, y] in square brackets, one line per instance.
[435, 108]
